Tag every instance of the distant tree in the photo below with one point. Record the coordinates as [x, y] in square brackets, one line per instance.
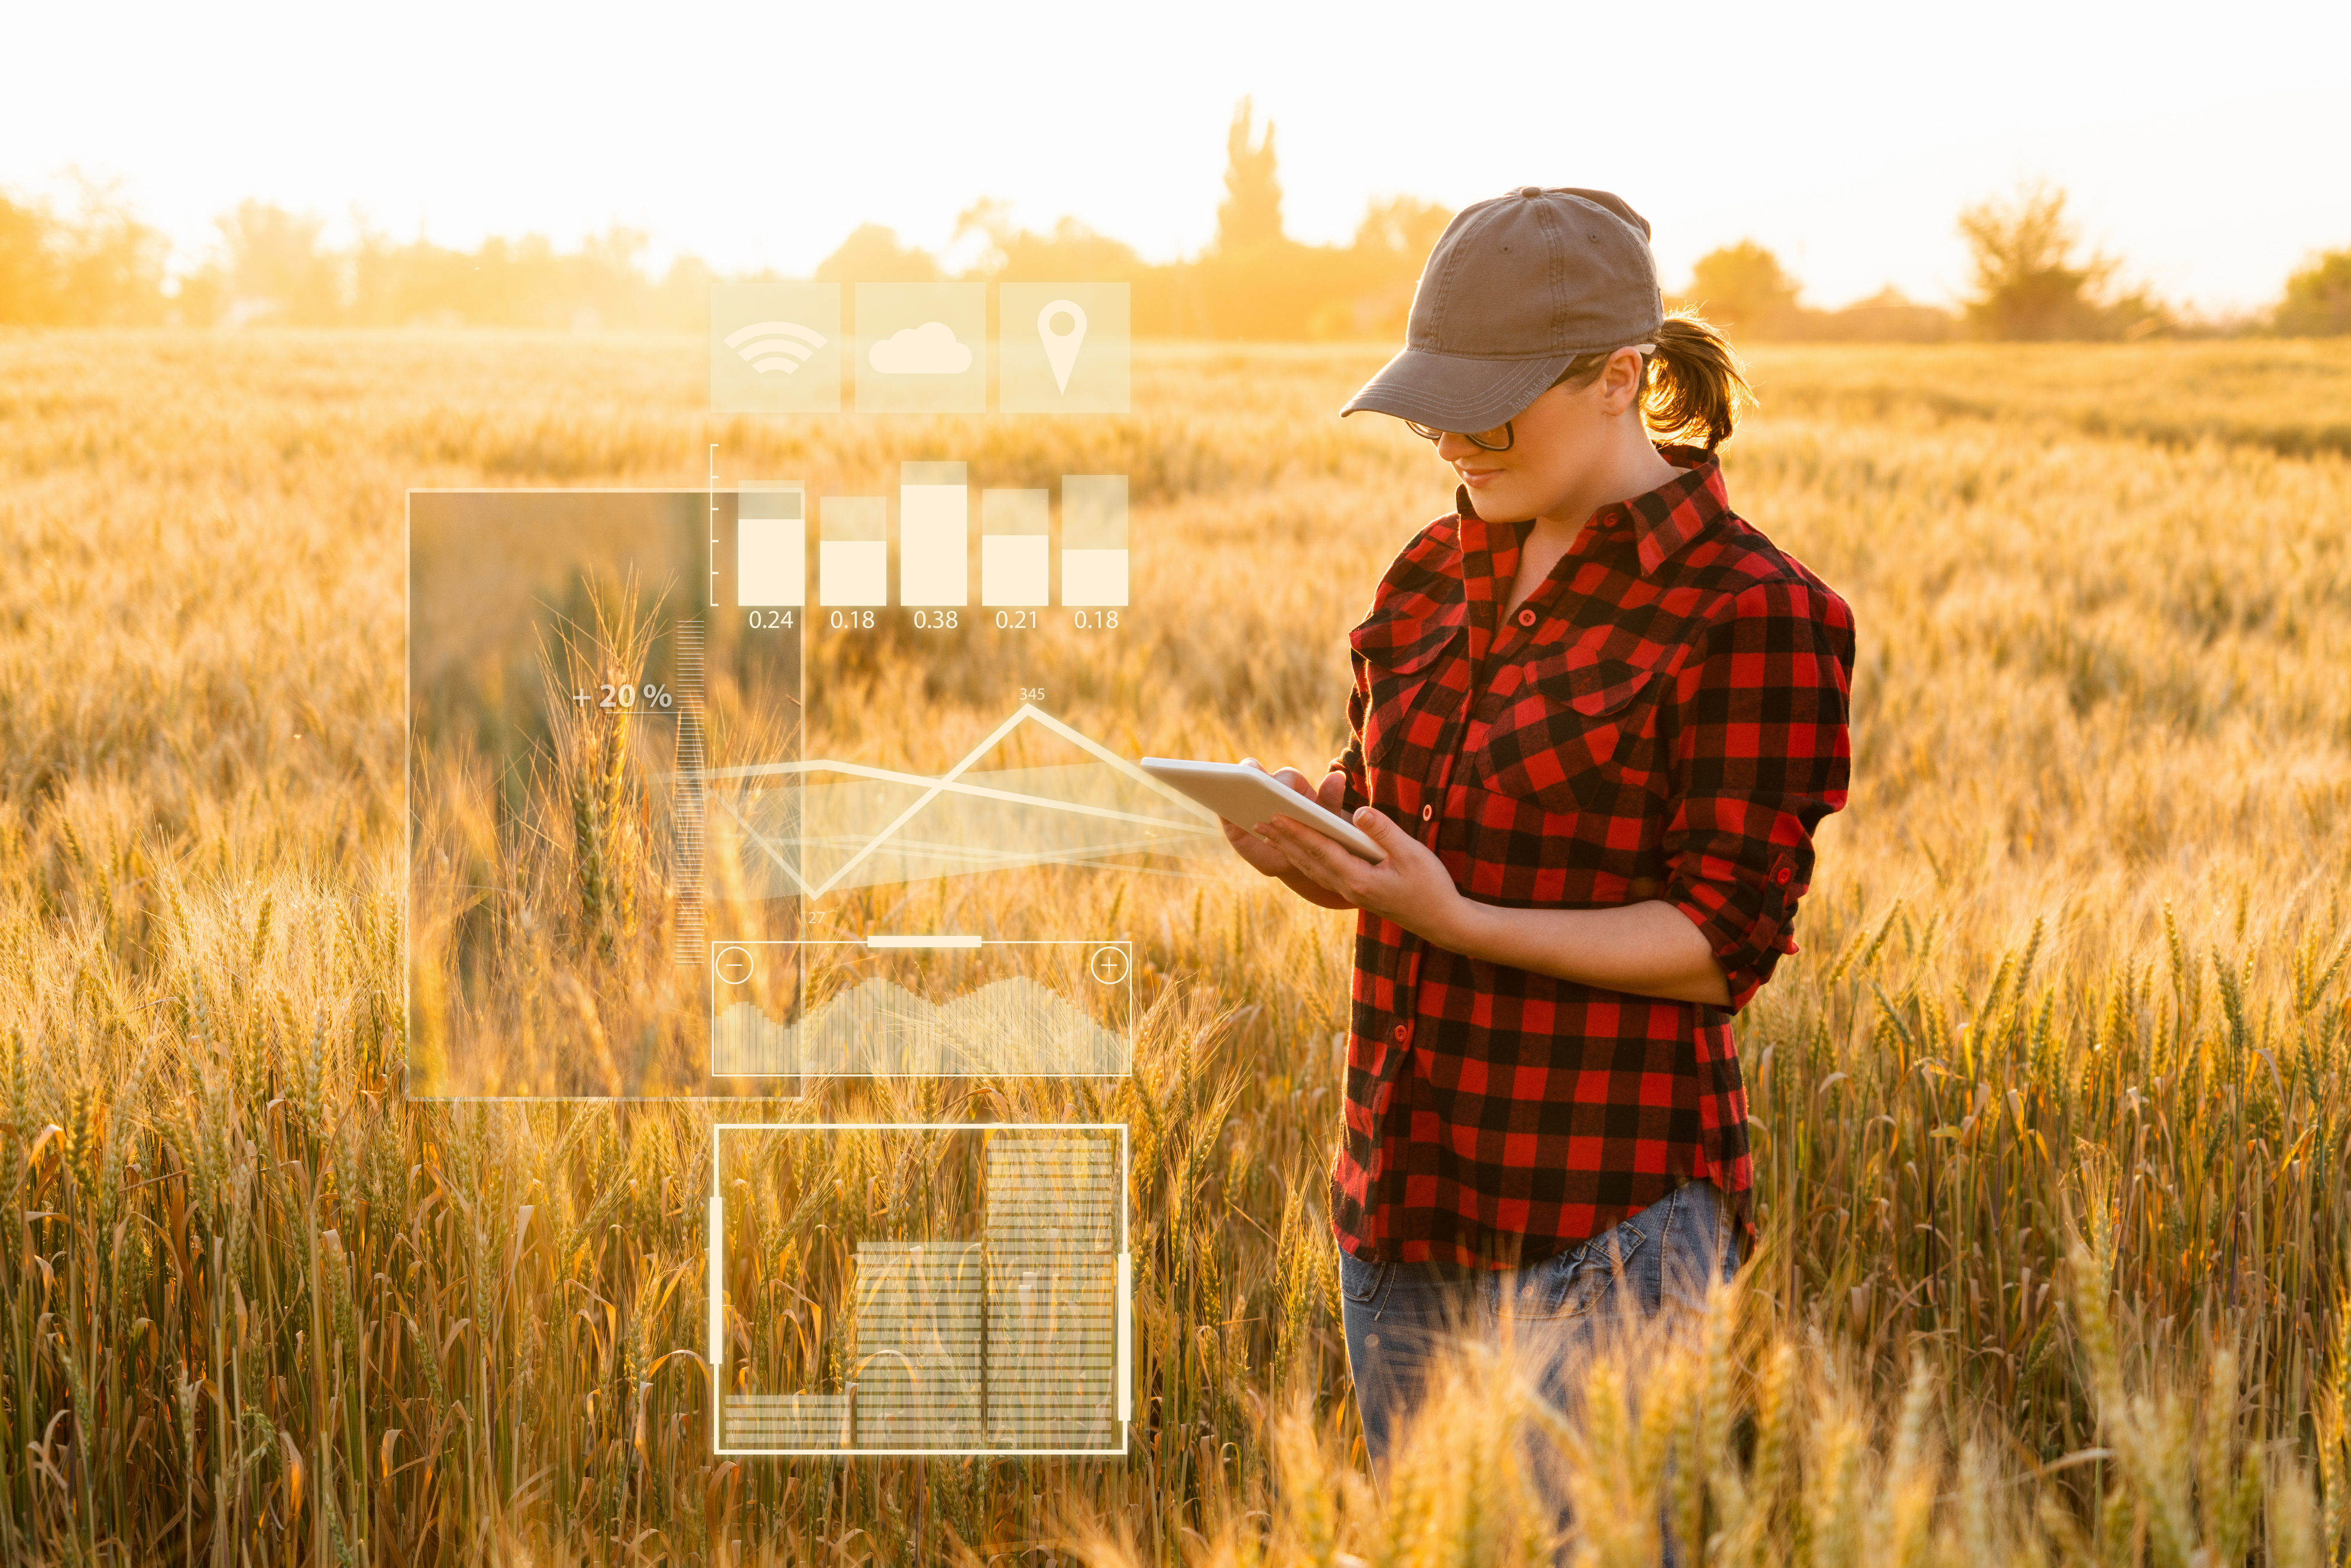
[1744, 287]
[1250, 215]
[990, 220]
[1372, 290]
[1888, 316]
[1254, 284]
[112, 263]
[871, 254]
[1402, 227]
[424, 284]
[2317, 302]
[1071, 250]
[2028, 284]
[98, 265]
[682, 298]
[29, 283]
[605, 283]
[276, 267]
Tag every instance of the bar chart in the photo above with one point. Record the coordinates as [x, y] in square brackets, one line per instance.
[993, 1317]
[931, 544]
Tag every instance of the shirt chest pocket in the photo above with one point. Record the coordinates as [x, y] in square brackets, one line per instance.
[1404, 716]
[1577, 734]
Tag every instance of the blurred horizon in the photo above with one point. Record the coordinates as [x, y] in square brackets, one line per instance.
[755, 140]
[97, 263]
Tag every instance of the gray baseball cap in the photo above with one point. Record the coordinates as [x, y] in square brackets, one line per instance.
[1518, 286]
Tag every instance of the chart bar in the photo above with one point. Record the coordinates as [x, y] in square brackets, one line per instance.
[933, 534]
[714, 1295]
[770, 543]
[1093, 539]
[852, 549]
[1126, 1336]
[1015, 546]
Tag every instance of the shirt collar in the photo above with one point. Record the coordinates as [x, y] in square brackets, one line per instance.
[1664, 519]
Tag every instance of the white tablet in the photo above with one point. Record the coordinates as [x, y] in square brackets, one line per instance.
[1248, 798]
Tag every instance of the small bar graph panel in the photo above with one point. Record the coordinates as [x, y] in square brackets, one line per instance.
[852, 550]
[771, 543]
[933, 534]
[1015, 546]
[993, 1317]
[1093, 539]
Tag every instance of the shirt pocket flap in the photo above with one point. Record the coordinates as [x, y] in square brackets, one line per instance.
[1594, 687]
[1404, 644]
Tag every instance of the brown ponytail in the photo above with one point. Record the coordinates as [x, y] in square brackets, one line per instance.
[1694, 382]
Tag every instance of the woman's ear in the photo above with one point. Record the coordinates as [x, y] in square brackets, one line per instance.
[1620, 382]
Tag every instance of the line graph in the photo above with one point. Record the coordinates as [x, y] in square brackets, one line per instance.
[942, 1008]
[811, 839]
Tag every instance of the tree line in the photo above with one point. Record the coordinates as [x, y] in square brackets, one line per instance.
[97, 265]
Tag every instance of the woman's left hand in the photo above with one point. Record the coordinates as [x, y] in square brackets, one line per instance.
[1410, 887]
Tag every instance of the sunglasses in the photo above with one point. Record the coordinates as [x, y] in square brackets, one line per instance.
[1499, 437]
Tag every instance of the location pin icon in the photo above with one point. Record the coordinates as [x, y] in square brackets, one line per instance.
[1061, 348]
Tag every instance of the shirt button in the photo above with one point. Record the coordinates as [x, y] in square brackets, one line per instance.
[1426, 812]
[1782, 875]
[1526, 617]
[1401, 1031]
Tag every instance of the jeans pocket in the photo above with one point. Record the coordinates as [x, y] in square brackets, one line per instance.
[1359, 1282]
[1576, 1280]
[1699, 1248]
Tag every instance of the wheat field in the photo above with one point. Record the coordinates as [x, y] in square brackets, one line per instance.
[2052, 1111]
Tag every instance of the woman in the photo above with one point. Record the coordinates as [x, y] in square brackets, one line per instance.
[1597, 717]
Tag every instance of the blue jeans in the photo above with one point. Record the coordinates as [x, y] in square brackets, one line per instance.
[1401, 1318]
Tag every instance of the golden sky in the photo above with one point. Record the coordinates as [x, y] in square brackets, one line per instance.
[1846, 137]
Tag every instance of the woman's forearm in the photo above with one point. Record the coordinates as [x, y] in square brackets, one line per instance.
[1650, 948]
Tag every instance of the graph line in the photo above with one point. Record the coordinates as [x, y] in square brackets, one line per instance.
[949, 783]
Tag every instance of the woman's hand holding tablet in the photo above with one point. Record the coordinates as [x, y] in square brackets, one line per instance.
[1273, 823]
[1246, 796]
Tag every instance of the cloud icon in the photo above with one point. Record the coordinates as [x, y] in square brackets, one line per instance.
[929, 349]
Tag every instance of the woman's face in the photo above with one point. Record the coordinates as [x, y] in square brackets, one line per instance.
[1558, 441]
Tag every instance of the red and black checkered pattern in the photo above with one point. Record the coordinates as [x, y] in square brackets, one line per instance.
[1668, 708]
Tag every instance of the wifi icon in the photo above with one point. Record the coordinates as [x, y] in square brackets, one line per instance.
[787, 360]
[775, 345]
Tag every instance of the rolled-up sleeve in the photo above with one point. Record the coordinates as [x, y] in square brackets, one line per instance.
[1761, 755]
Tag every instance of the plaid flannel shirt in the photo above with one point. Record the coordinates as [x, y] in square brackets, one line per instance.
[1664, 717]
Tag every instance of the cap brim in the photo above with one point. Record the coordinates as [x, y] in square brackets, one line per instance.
[1452, 392]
